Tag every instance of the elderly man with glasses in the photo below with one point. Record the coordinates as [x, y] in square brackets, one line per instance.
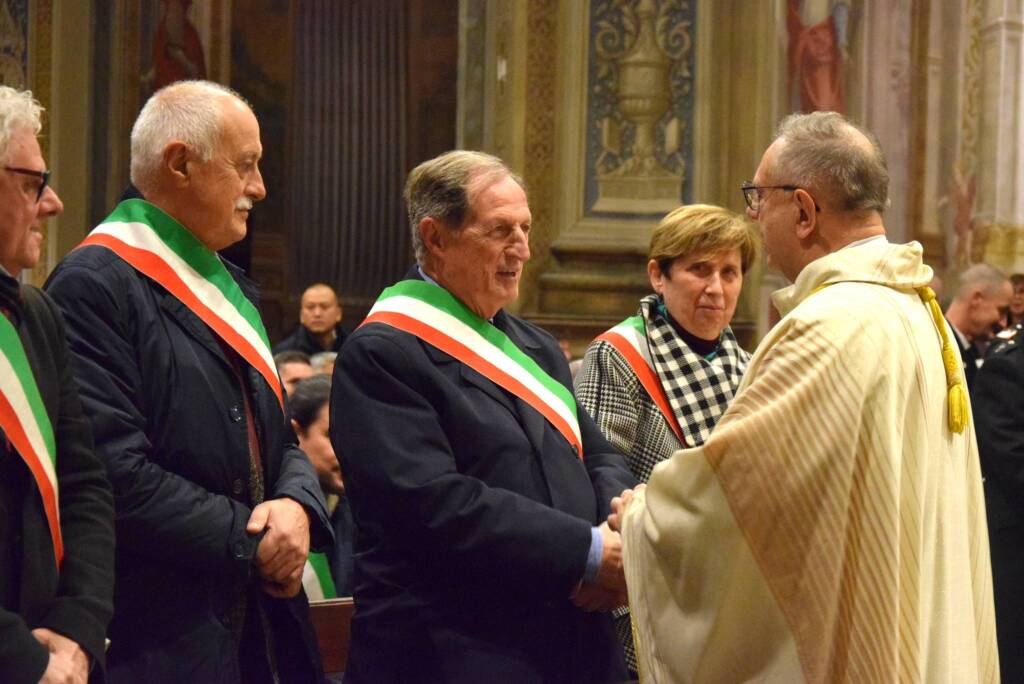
[832, 528]
[56, 508]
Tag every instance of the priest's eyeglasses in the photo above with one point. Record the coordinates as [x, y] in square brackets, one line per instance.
[43, 176]
[753, 195]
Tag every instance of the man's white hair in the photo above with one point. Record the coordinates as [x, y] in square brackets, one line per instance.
[186, 111]
[981, 276]
[18, 109]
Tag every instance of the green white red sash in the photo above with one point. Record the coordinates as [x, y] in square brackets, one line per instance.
[629, 338]
[24, 420]
[432, 314]
[316, 578]
[162, 249]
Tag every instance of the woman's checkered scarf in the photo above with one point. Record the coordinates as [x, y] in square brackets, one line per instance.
[699, 390]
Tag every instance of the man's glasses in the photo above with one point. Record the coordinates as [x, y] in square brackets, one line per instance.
[753, 195]
[43, 176]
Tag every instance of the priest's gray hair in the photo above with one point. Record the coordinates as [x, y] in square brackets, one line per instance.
[18, 109]
[985, 277]
[439, 188]
[186, 111]
[826, 153]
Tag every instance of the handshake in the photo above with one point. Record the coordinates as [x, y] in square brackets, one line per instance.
[608, 590]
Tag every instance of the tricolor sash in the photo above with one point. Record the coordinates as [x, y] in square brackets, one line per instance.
[316, 578]
[24, 420]
[162, 249]
[629, 338]
[432, 314]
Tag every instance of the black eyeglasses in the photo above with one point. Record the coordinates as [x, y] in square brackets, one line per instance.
[44, 176]
[752, 193]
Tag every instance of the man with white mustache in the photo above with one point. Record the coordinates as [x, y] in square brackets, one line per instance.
[476, 483]
[216, 506]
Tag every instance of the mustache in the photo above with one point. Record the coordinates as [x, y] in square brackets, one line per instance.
[243, 204]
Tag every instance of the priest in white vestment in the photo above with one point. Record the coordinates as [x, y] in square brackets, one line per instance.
[833, 526]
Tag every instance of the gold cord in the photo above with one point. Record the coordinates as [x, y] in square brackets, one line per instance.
[956, 393]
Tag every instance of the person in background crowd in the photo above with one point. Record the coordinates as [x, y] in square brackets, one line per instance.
[309, 408]
[1016, 315]
[832, 527]
[998, 408]
[292, 366]
[319, 330]
[323, 363]
[978, 310]
[478, 488]
[660, 380]
[216, 505]
[56, 507]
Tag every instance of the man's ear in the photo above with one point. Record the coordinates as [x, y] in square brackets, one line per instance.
[807, 220]
[976, 298]
[176, 161]
[433, 235]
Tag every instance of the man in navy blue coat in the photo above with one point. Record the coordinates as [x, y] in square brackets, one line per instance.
[216, 506]
[478, 496]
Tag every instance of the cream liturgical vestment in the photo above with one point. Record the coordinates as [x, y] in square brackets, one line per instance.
[832, 528]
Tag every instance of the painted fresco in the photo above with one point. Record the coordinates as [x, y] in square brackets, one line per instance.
[640, 106]
[14, 42]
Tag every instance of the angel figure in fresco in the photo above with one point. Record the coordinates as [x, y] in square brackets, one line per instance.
[817, 52]
[177, 50]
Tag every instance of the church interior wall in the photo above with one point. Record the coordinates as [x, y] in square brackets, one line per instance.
[938, 82]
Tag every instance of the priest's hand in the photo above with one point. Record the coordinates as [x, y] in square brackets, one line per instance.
[619, 505]
[68, 663]
[281, 554]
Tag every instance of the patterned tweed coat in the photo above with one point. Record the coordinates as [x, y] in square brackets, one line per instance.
[698, 390]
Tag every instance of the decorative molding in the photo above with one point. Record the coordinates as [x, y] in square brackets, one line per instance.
[469, 132]
[539, 168]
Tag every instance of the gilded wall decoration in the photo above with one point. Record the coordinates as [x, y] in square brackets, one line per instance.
[640, 106]
[14, 42]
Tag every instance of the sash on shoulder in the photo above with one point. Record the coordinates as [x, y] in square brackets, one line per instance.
[629, 338]
[432, 314]
[24, 420]
[160, 248]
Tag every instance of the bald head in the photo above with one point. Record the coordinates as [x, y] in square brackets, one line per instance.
[186, 111]
[836, 160]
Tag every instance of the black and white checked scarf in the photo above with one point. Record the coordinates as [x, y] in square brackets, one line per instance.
[698, 390]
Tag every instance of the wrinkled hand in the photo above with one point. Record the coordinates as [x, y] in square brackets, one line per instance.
[282, 552]
[619, 505]
[68, 663]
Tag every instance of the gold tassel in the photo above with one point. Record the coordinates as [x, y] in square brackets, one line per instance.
[956, 394]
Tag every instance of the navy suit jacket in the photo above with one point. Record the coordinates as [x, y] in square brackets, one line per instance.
[473, 517]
